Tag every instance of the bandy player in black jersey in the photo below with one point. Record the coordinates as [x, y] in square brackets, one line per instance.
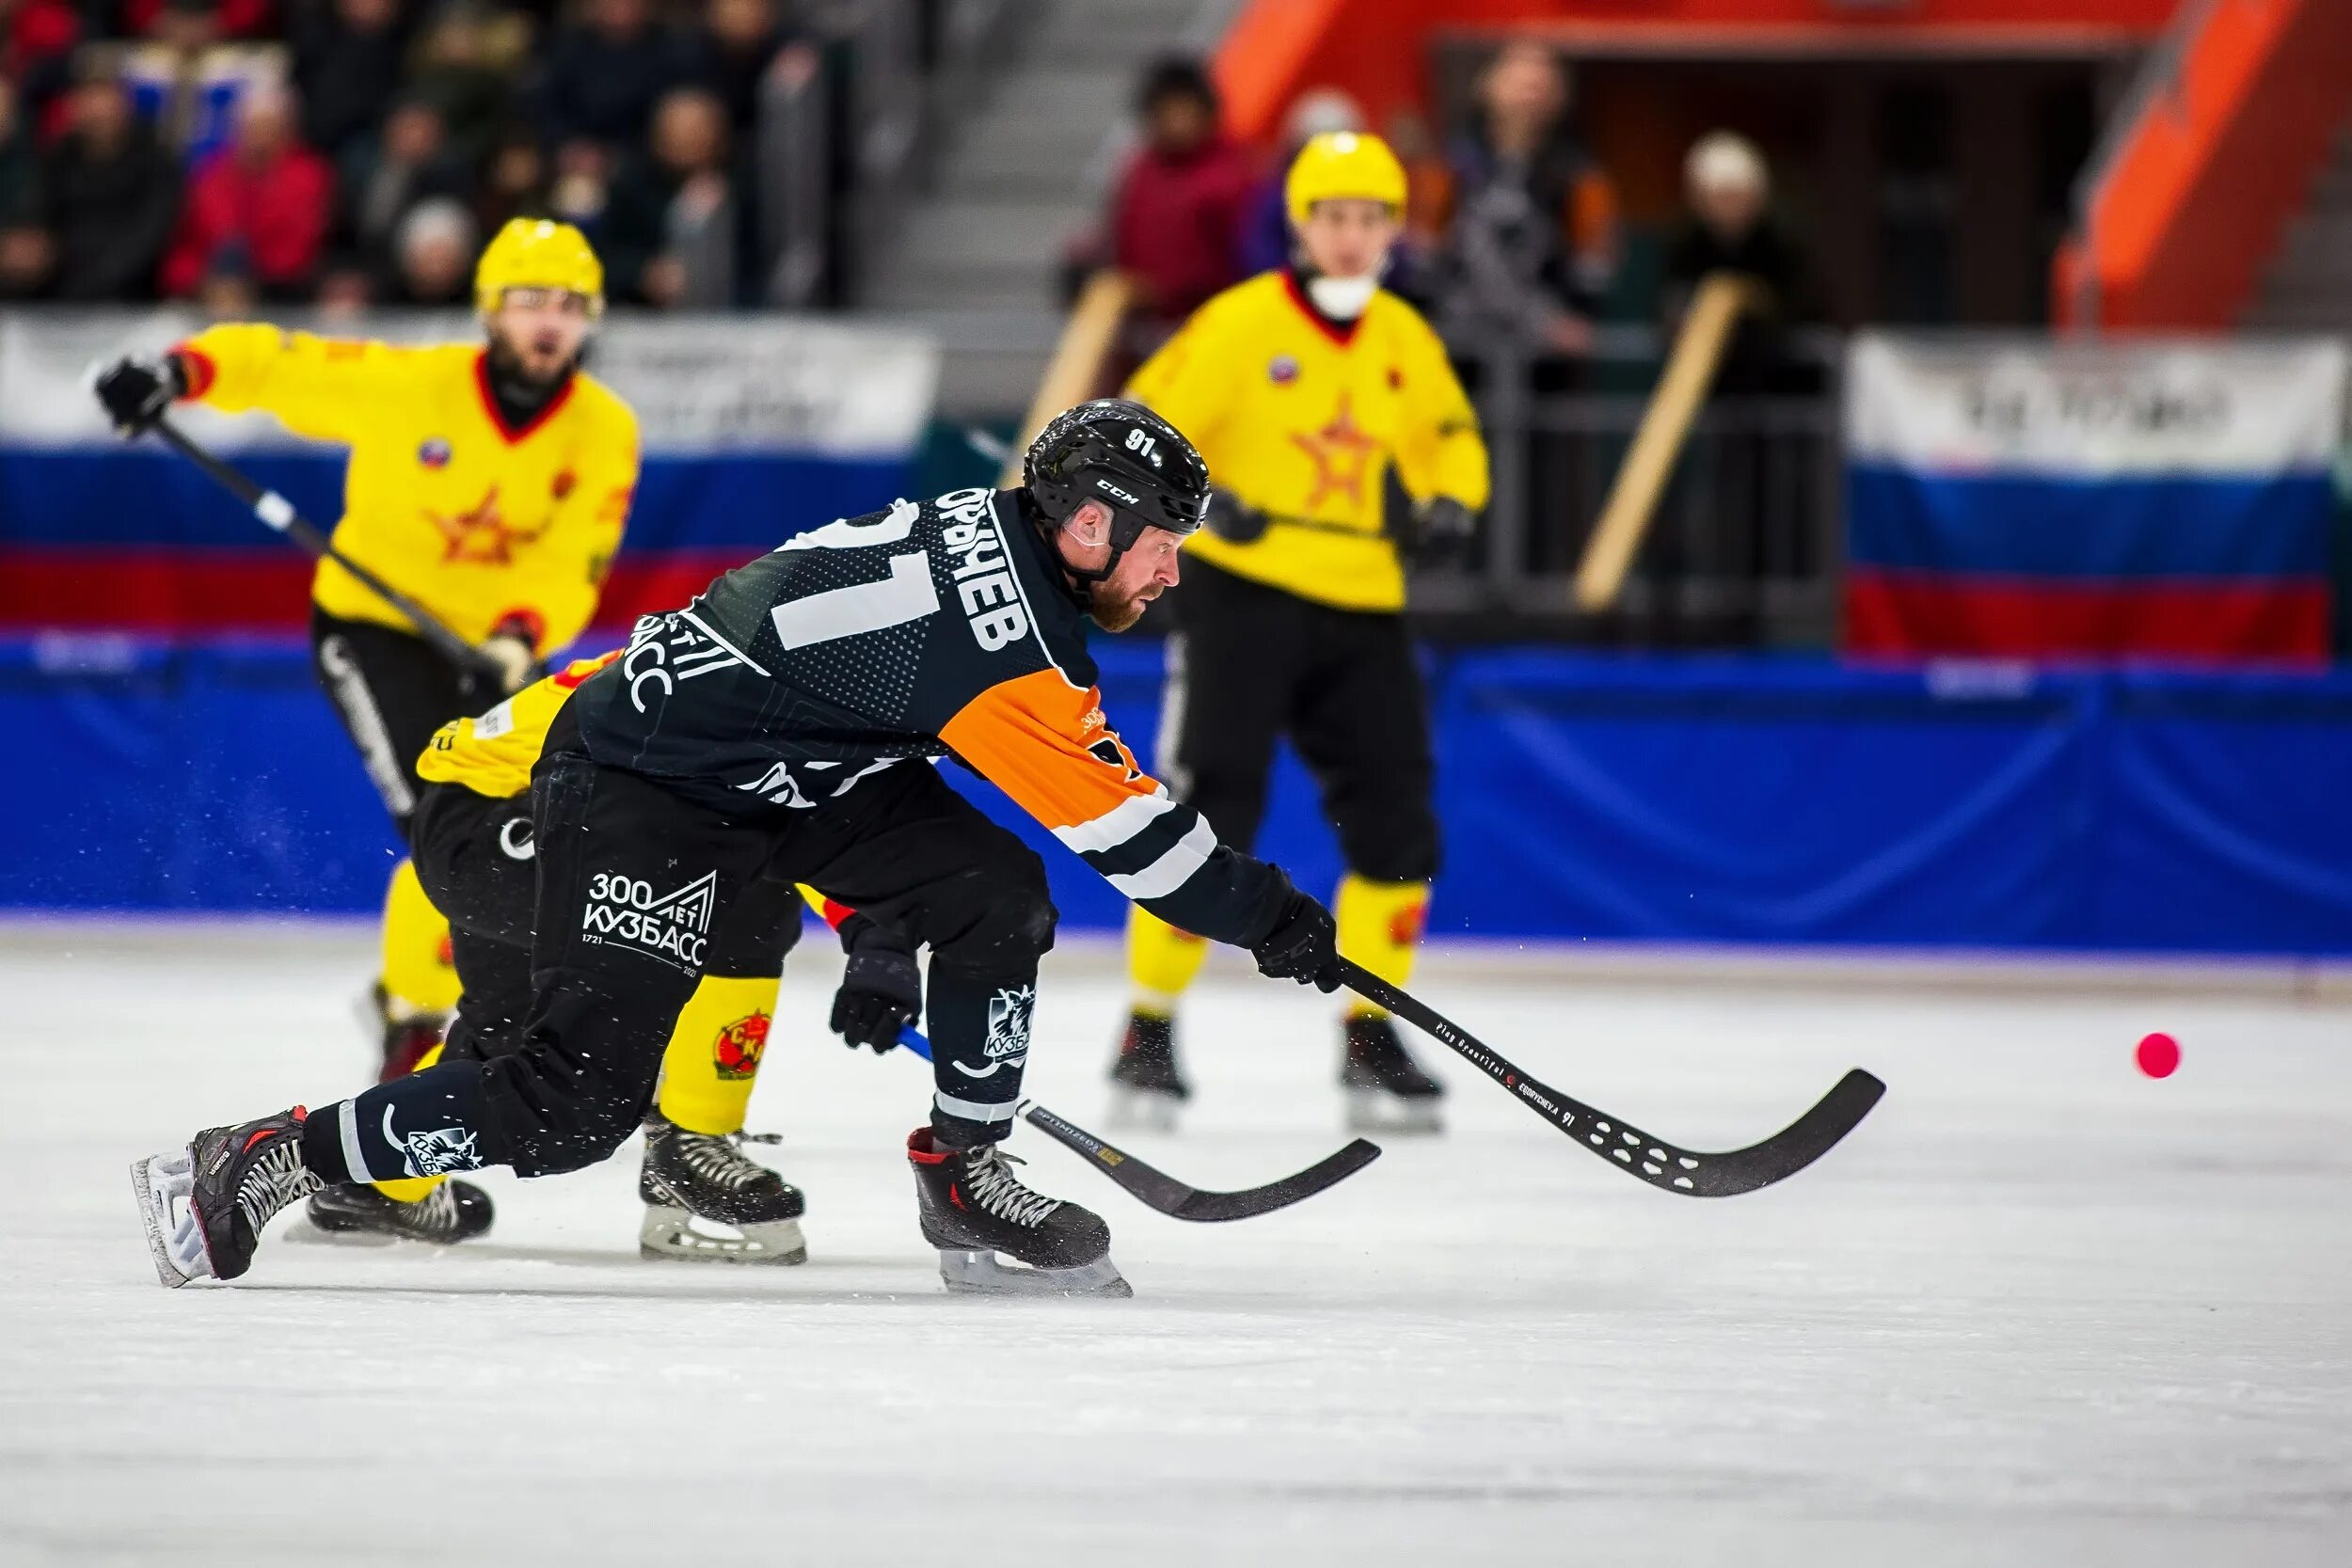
[783, 726]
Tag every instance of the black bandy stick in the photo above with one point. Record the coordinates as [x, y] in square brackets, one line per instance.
[1661, 1163]
[278, 514]
[1157, 1190]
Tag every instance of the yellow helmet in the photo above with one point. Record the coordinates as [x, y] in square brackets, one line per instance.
[1342, 166]
[537, 253]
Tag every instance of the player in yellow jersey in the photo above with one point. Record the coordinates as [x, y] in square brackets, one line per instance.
[705, 1199]
[488, 482]
[1302, 388]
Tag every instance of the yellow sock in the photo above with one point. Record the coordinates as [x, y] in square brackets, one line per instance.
[708, 1073]
[409, 1189]
[1161, 961]
[416, 973]
[1380, 925]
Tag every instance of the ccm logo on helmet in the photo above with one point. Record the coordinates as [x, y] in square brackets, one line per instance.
[1126, 498]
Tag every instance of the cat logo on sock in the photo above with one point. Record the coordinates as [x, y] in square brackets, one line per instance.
[736, 1051]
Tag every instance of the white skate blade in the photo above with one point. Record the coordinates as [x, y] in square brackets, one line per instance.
[1378, 1111]
[163, 1183]
[670, 1234]
[1144, 1110]
[968, 1272]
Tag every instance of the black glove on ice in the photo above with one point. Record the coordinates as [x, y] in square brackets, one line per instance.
[1303, 946]
[881, 991]
[138, 392]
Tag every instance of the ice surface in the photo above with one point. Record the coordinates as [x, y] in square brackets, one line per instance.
[2037, 1310]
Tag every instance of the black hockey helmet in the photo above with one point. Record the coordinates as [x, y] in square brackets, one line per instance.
[1125, 456]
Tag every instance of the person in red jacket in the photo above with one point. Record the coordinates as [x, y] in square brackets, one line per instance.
[1177, 215]
[265, 196]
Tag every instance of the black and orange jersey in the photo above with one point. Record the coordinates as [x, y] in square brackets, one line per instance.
[492, 753]
[924, 631]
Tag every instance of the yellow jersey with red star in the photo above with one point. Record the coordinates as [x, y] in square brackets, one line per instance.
[492, 753]
[479, 524]
[1301, 418]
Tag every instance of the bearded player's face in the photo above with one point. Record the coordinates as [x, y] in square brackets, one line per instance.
[1145, 572]
[541, 331]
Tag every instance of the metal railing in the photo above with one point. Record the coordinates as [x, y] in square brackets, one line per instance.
[1746, 546]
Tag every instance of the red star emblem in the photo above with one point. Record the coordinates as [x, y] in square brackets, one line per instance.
[1341, 454]
[480, 534]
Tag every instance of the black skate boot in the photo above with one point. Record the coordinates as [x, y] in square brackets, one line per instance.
[974, 1208]
[407, 1034]
[697, 1184]
[205, 1204]
[1387, 1091]
[1148, 1085]
[452, 1212]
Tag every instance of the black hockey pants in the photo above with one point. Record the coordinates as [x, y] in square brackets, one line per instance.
[1249, 664]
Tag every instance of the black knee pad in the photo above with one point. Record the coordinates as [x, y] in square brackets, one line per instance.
[1397, 843]
[997, 920]
[581, 1082]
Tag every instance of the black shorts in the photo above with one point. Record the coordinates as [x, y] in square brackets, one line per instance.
[1250, 665]
[391, 691]
[478, 862]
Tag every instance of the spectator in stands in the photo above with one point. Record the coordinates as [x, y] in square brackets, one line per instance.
[347, 63]
[383, 177]
[37, 43]
[740, 43]
[1531, 220]
[513, 181]
[264, 192]
[110, 192]
[24, 248]
[1266, 231]
[188, 82]
[602, 77]
[669, 235]
[1176, 214]
[224, 18]
[1730, 229]
[434, 254]
[226, 291]
[467, 61]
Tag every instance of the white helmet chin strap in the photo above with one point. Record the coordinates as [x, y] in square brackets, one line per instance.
[1342, 298]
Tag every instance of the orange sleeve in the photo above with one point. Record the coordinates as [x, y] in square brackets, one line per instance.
[1044, 742]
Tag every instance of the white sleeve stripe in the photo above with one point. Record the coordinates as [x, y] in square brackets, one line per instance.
[1117, 825]
[1172, 870]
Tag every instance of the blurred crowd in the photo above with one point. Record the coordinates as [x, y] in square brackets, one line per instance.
[1514, 232]
[353, 152]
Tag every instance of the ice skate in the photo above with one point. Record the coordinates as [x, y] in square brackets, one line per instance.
[452, 1212]
[974, 1208]
[708, 1201]
[406, 1033]
[1146, 1086]
[205, 1204]
[1387, 1091]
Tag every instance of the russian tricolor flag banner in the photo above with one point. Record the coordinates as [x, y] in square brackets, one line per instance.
[754, 429]
[2028, 497]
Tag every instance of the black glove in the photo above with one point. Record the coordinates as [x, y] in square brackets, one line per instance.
[1303, 946]
[1440, 532]
[881, 992]
[1232, 521]
[138, 392]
